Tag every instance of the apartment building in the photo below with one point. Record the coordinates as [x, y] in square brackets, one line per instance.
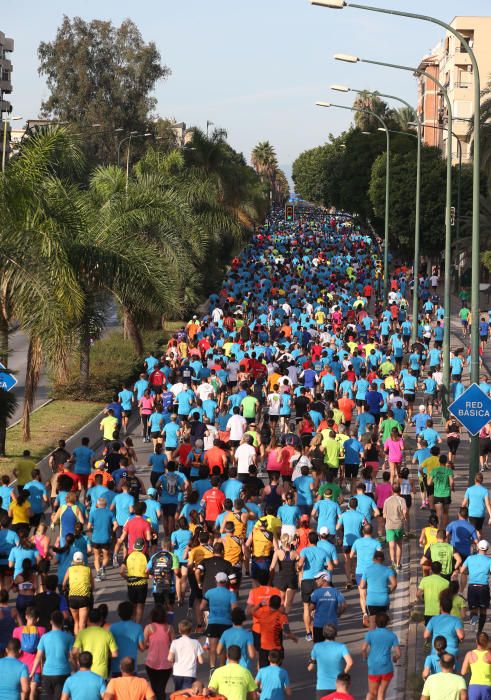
[450, 63]
[6, 48]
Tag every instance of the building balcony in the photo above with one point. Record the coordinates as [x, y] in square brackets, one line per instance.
[461, 58]
[5, 86]
[5, 106]
[5, 64]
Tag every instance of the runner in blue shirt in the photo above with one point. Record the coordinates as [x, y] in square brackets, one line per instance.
[476, 498]
[381, 649]
[238, 636]
[126, 399]
[326, 605]
[379, 582]
[273, 681]
[329, 658]
[479, 568]
[352, 522]
[84, 458]
[327, 513]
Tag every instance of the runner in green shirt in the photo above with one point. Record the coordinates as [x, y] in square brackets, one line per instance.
[443, 483]
[430, 588]
[443, 552]
[335, 488]
[249, 407]
[387, 425]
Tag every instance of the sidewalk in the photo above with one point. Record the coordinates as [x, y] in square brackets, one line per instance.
[416, 653]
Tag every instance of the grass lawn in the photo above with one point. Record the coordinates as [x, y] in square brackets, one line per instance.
[59, 419]
[113, 361]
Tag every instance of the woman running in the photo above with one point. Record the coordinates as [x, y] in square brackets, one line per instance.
[286, 558]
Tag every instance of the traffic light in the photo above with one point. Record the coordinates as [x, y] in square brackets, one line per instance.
[289, 212]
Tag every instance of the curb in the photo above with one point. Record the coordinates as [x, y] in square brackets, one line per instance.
[19, 420]
[96, 444]
[412, 637]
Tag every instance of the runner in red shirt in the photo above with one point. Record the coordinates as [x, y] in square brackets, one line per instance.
[135, 528]
[213, 500]
[157, 379]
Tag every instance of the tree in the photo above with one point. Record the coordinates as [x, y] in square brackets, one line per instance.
[40, 217]
[484, 129]
[282, 188]
[403, 117]
[8, 404]
[100, 74]
[402, 197]
[310, 173]
[265, 163]
[369, 101]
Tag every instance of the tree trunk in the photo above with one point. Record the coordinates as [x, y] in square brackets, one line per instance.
[132, 332]
[4, 339]
[33, 373]
[84, 348]
[3, 436]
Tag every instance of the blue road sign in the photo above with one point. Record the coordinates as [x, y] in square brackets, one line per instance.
[7, 380]
[472, 409]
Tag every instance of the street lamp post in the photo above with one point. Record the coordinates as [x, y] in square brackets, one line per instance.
[6, 121]
[387, 185]
[448, 228]
[133, 134]
[417, 216]
[475, 245]
[459, 194]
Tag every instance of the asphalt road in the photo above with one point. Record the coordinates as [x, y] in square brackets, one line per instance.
[351, 632]
[18, 346]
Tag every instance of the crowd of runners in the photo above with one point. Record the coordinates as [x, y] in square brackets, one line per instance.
[279, 425]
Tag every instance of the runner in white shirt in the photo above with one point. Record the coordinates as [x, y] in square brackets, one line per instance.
[205, 390]
[273, 402]
[217, 314]
[237, 425]
[245, 455]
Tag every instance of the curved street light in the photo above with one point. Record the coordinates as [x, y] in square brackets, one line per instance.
[448, 225]
[387, 182]
[475, 246]
[417, 215]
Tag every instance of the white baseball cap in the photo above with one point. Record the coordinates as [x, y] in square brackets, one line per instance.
[324, 531]
[422, 407]
[323, 574]
[78, 557]
[221, 577]
[483, 545]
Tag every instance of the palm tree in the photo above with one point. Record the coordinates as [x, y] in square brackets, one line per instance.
[265, 162]
[38, 286]
[484, 129]
[282, 188]
[404, 116]
[8, 404]
[369, 101]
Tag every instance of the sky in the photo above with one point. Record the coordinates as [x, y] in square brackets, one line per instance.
[253, 67]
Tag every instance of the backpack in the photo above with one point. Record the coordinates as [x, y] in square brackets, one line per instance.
[171, 483]
[163, 574]
[134, 487]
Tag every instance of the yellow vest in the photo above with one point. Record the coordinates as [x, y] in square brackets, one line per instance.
[239, 526]
[233, 549]
[79, 580]
[262, 543]
[136, 567]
